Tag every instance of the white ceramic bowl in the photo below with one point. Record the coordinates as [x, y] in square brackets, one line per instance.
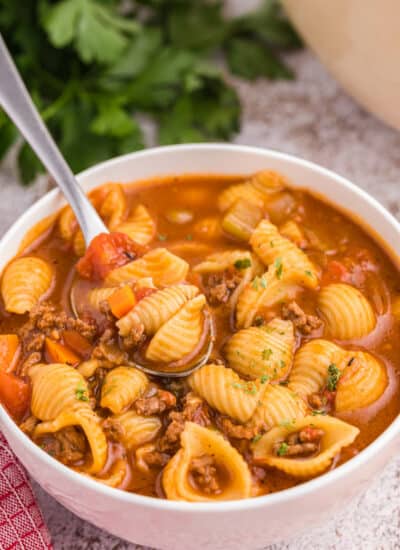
[245, 524]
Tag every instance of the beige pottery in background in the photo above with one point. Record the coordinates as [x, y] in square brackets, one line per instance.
[359, 42]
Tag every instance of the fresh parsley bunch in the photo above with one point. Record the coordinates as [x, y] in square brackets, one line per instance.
[93, 65]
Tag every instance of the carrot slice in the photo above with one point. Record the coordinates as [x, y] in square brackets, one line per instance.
[9, 344]
[60, 354]
[14, 394]
[122, 301]
[77, 342]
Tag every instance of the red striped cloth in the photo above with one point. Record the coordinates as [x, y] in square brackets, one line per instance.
[22, 525]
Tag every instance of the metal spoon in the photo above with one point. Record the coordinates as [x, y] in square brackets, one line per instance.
[17, 103]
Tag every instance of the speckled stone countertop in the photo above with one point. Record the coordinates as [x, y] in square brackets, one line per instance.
[314, 119]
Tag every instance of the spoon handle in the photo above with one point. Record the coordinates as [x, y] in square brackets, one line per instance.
[17, 103]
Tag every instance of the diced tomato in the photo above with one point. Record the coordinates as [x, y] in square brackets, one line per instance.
[106, 252]
[57, 353]
[142, 292]
[335, 271]
[77, 342]
[9, 348]
[14, 394]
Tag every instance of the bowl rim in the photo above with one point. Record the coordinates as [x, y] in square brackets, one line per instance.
[268, 500]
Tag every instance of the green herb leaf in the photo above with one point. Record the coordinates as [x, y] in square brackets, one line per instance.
[283, 449]
[278, 268]
[243, 263]
[251, 59]
[95, 30]
[256, 438]
[196, 25]
[266, 354]
[81, 393]
[333, 377]
[316, 412]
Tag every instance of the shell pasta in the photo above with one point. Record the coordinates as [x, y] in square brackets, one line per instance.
[231, 336]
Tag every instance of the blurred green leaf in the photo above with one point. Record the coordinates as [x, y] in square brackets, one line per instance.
[196, 26]
[112, 120]
[161, 80]
[210, 114]
[269, 23]
[29, 165]
[93, 65]
[8, 134]
[143, 46]
[95, 30]
[252, 60]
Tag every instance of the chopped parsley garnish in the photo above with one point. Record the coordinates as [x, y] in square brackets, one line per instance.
[258, 321]
[189, 237]
[264, 379]
[266, 354]
[271, 244]
[282, 364]
[256, 438]
[333, 377]
[308, 273]
[161, 237]
[278, 268]
[80, 393]
[284, 382]
[242, 263]
[316, 412]
[259, 281]
[248, 387]
[283, 449]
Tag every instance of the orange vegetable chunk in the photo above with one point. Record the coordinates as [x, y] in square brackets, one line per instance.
[78, 343]
[122, 301]
[14, 394]
[60, 354]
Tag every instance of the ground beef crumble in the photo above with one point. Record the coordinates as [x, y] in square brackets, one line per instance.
[302, 321]
[235, 431]
[134, 338]
[204, 474]
[219, 286]
[323, 402]
[67, 445]
[195, 410]
[112, 429]
[155, 402]
[148, 456]
[45, 318]
[107, 350]
[304, 443]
